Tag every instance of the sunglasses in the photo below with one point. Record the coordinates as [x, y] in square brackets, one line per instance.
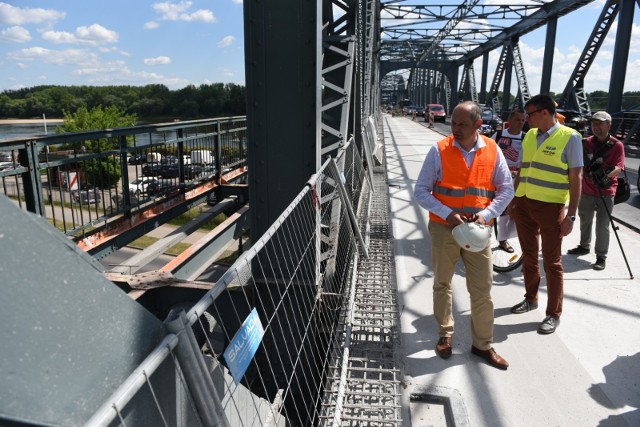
[527, 114]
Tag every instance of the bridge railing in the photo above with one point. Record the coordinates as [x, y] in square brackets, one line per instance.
[258, 348]
[83, 180]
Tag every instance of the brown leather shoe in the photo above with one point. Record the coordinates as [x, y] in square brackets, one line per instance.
[443, 348]
[491, 356]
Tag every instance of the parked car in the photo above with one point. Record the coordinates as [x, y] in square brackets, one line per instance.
[409, 110]
[154, 157]
[203, 157]
[438, 111]
[139, 186]
[118, 200]
[5, 156]
[162, 186]
[191, 171]
[169, 160]
[152, 169]
[137, 159]
[491, 121]
[87, 196]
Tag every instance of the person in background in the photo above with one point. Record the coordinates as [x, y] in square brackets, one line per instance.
[464, 177]
[559, 116]
[550, 175]
[604, 161]
[431, 117]
[510, 142]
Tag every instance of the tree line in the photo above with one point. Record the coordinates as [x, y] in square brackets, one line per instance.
[150, 101]
[598, 100]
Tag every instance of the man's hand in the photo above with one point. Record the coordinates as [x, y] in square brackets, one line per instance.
[566, 226]
[455, 218]
[479, 219]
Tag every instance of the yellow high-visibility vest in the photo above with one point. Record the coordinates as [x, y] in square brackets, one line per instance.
[543, 174]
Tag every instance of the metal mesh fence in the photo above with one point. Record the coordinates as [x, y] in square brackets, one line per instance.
[86, 181]
[260, 346]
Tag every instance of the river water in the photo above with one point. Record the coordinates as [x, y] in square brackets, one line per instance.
[38, 129]
[24, 129]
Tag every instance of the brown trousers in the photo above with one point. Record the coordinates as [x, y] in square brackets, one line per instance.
[540, 221]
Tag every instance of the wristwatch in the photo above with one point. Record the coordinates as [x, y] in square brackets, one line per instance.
[572, 218]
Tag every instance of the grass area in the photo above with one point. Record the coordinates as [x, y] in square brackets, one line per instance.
[60, 225]
[145, 241]
[194, 213]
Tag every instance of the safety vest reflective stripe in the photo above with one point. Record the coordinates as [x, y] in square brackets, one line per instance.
[545, 167]
[542, 183]
[544, 175]
[482, 192]
[465, 190]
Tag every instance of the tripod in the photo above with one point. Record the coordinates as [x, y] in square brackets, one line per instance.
[615, 231]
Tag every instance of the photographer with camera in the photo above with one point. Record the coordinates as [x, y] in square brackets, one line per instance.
[604, 161]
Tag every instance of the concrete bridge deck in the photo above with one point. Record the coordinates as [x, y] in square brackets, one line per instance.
[585, 374]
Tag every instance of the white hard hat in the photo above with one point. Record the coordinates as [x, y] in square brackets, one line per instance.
[472, 236]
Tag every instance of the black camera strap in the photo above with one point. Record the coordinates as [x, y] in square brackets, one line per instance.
[603, 149]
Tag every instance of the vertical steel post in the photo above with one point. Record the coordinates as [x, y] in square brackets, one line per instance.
[547, 61]
[282, 48]
[621, 55]
[31, 183]
[196, 374]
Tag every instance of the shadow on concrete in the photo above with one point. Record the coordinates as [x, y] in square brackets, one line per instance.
[621, 389]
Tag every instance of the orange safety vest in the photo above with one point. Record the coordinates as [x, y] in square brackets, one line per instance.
[463, 189]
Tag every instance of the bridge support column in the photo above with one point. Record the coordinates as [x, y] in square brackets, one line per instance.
[282, 83]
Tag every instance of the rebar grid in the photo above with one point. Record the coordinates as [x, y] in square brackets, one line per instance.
[364, 384]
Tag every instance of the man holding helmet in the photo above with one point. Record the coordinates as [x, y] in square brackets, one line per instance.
[604, 161]
[464, 178]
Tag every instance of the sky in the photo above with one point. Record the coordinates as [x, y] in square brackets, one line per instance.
[120, 42]
[573, 33]
[178, 43]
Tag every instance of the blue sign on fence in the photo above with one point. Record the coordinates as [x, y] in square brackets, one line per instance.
[244, 345]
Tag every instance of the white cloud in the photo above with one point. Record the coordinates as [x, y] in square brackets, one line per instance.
[94, 34]
[151, 25]
[22, 66]
[237, 1]
[226, 42]
[11, 15]
[15, 34]
[180, 12]
[160, 60]
[48, 56]
[119, 73]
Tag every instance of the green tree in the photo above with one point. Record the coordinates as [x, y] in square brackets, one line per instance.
[97, 118]
[105, 171]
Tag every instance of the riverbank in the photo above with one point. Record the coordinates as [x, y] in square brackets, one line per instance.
[30, 121]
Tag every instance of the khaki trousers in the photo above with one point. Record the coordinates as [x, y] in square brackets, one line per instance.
[445, 253]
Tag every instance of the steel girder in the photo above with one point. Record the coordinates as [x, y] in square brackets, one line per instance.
[350, 69]
[574, 96]
[444, 37]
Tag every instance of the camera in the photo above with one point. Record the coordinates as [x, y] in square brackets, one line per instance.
[598, 174]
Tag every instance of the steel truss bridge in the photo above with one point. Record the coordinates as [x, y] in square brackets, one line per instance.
[318, 273]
